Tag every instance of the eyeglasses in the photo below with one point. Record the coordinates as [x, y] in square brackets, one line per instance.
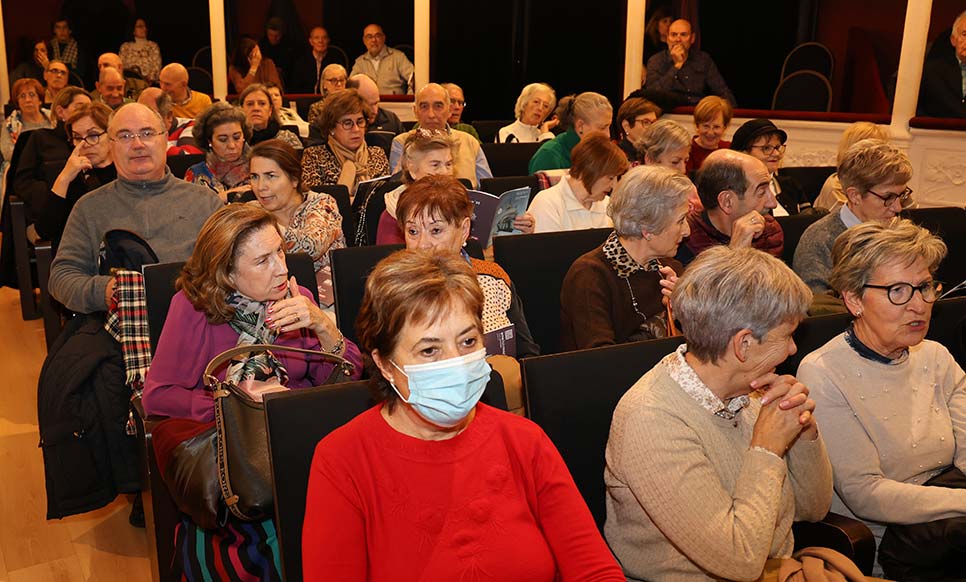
[769, 149]
[457, 102]
[90, 139]
[57, 72]
[348, 124]
[904, 197]
[127, 137]
[335, 80]
[901, 293]
[27, 95]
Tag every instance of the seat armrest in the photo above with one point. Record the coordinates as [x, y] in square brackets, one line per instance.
[846, 535]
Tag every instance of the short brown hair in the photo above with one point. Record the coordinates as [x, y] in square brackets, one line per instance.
[338, 104]
[216, 115]
[98, 111]
[631, 108]
[443, 197]
[25, 83]
[282, 154]
[205, 278]
[411, 287]
[259, 87]
[66, 96]
[594, 157]
[709, 108]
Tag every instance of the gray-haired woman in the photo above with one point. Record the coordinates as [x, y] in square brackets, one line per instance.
[222, 131]
[534, 104]
[615, 293]
[704, 478]
[666, 143]
[894, 404]
[582, 115]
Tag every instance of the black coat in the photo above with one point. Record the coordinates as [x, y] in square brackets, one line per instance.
[941, 91]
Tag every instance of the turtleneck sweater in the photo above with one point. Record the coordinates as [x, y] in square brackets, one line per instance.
[167, 213]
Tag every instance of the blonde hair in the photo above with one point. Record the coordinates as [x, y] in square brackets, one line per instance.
[857, 132]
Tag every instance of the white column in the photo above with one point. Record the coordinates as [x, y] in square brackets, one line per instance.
[219, 51]
[634, 49]
[4, 72]
[914, 37]
[421, 41]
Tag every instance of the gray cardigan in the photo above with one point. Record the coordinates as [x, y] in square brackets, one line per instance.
[813, 255]
[167, 213]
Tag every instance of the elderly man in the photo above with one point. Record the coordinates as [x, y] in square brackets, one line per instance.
[683, 75]
[943, 89]
[132, 85]
[432, 112]
[735, 190]
[180, 137]
[390, 68]
[187, 103]
[56, 76]
[110, 88]
[379, 119]
[457, 102]
[307, 70]
[146, 199]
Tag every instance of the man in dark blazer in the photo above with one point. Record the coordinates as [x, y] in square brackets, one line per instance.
[944, 78]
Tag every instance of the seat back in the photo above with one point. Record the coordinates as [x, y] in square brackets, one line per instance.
[811, 334]
[948, 224]
[572, 397]
[339, 52]
[509, 159]
[159, 280]
[812, 178]
[341, 194]
[382, 139]
[350, 269]
[803, 91]
[489, 128]
[179, 164]
[537, 265]
[202, 58]
[809, 56]
[497, 186]
[793, 226]
[200, 80]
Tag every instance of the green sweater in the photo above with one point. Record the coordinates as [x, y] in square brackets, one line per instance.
[554, 154]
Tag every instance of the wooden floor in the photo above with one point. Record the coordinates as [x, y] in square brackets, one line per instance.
[99, 546]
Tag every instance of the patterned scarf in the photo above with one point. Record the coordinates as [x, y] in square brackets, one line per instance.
[127, 322]
[249, 322]
[229, 174]
[622, 262]
[658, 325]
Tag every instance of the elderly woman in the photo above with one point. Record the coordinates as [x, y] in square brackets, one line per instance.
[617, 292]
[141, 53]
[334, 79]
[248, 66]
[874, 176]
[484, 489]
[833, 196]
[665, 143]
[259, 109]
[90, 166]
[582, 115]
[344, 158]
[711, 118]
[221, 131]
[712, 455]
[28, 94]
[634, 118]
[579, 200]
[761, 139]
[893, 404]
[534, 104]
[235, 290]
[309, 221]
[435, 213]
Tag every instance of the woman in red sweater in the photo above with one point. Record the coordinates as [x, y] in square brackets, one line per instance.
[430, 484]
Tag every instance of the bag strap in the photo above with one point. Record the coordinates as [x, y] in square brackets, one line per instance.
[342, 366]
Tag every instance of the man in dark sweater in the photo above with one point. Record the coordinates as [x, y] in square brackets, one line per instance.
[145, 199]
[683, 75]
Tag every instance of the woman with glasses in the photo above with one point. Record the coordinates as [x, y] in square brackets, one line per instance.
[345, 158]
[760, 138]
[873, 175]
[90, 166]
[28, 94]
[892, 405]
[222, 131]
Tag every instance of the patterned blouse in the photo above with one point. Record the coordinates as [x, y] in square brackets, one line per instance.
[320, 166]
[143, 54]
[315, 229]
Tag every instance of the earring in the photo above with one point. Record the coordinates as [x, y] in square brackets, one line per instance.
[858, 313]
[648, 236]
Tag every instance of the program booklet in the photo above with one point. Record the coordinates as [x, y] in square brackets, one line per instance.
[501, 341]
[493, 215]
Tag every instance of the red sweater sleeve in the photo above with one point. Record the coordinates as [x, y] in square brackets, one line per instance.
[578, 548]
[389, 231]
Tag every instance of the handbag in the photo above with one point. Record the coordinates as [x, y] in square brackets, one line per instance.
[244, 471]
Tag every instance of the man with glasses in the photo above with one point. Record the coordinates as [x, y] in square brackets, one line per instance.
[457, 103]
[875, 177]
[432, 107]
[56, 76]
[390, 69]
[146, 199]
[761, 139]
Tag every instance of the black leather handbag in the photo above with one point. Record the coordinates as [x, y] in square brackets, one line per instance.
[244, 471]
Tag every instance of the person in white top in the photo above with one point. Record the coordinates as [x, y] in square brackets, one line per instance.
[580, 199]
[534, 104]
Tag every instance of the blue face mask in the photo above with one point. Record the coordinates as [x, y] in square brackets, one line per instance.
[445, 392]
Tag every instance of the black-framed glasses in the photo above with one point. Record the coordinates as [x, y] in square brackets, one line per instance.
[91, 139]
[904, 197]
[769, 149]
[348, 124]
[901, 293]
[127, 137]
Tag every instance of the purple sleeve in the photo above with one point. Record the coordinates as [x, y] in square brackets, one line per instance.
[352, 353]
